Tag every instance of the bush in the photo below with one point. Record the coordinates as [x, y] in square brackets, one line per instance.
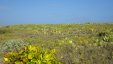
[106, 36]
[14, 44]
[31, 55]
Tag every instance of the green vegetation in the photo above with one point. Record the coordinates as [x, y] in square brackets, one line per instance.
[31, 55]
[11, 45]
[75, 43]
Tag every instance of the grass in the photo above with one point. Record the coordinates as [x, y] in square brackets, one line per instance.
[76, 43]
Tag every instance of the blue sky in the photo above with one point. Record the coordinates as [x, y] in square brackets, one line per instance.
[55, 11]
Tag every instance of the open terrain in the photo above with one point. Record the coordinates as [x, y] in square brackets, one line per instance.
[75, 43]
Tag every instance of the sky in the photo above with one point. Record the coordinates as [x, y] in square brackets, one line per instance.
[55, 11]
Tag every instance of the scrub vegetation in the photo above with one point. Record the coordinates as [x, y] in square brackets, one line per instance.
[89, 43]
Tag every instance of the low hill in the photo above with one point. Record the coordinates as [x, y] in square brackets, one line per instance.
[76, 43]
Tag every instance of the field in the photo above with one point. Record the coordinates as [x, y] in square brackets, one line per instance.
[88, 43]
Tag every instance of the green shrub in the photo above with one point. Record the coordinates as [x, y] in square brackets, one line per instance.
[106, 36]
[31, 55]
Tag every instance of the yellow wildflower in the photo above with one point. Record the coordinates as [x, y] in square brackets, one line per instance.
[6, 59]
[32, 48]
